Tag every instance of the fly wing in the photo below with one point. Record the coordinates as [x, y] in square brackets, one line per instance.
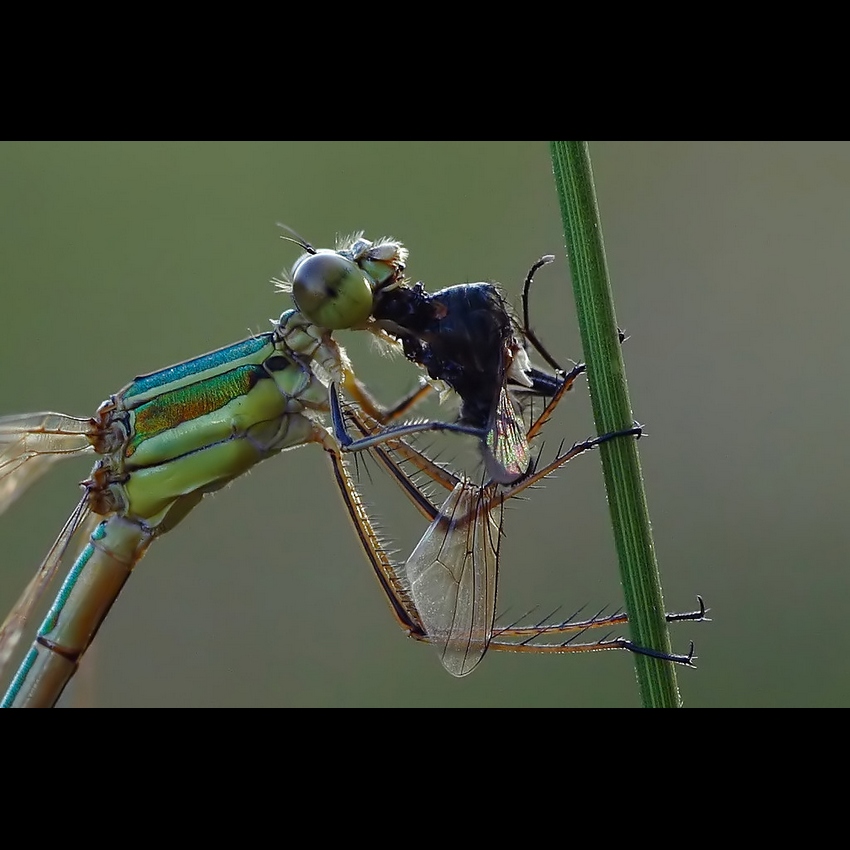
[453, 573]
[506, 451]
[13, 626]
[31, 443]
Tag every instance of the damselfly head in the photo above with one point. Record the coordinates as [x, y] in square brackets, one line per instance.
[331, 290]
[335, 287]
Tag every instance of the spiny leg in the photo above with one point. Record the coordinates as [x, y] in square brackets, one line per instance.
[604, 644]
[618, 618]
[387, 454]
[357, 390]
[390, 581]
[394, 454]
[387, 446]
[396, 451]
[508, 636]
[522, 638]
[513, 638]
[348, 444]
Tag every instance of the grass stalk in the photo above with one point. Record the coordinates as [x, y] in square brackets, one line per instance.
[612, 411]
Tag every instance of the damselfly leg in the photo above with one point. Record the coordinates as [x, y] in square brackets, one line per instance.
[445, 592]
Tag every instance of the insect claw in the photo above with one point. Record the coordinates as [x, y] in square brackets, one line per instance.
[695, 616]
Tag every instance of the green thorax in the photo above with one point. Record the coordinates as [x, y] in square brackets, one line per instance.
[178, 433]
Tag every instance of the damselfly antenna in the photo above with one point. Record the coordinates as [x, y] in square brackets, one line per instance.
[298, 240]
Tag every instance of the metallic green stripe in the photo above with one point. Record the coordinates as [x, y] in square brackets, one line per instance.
[188, 403]
[213, 360]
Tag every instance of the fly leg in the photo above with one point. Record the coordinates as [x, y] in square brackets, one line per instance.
[349, 444]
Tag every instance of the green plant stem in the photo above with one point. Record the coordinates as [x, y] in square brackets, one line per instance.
[612, 411]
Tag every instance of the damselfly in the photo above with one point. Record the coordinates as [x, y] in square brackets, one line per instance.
[166, 440]
[172, 436]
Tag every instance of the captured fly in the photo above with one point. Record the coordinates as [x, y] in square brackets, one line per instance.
[465, 335]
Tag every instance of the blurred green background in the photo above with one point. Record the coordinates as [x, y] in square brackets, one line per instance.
[728, 265]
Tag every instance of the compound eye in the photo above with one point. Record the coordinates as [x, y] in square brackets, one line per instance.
[331, 291]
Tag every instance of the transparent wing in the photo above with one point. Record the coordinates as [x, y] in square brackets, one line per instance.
[453, 573]
[506, 454]
[31, 443]
[13, 626]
